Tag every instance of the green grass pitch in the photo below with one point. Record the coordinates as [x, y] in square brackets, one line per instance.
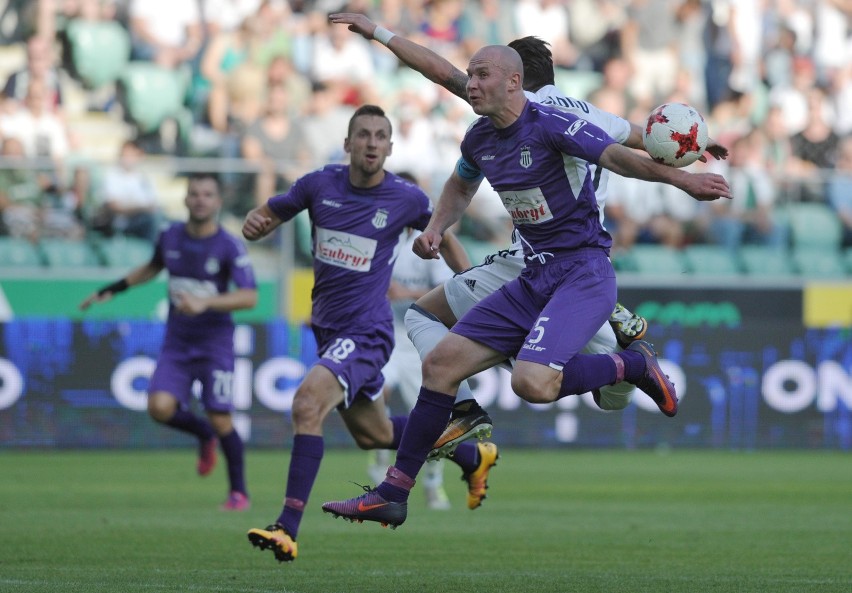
[579, 521]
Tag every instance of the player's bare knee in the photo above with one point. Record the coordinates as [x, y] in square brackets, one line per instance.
[533, 391]
[161, 407]
[306, 414]
[221, 422]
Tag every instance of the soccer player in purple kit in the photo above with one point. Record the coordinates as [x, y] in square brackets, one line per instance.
[202, 260]
[359, 216]
[537, 158]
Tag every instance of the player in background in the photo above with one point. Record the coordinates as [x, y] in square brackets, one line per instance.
[412, 278]
[359, 214]
[536, 157]
[429, 319]
[203, 261]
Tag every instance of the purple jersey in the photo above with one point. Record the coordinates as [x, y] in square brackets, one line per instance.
[356, 235]
[540, 168]
[202, 267]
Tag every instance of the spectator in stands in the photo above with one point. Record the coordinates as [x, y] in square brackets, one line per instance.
[274, 141]
[816, 144]
[839, 192]
[61, 209]
[281, 71]
[415, 145]
[166, 32]
[641, 212]
[326, 115]
[342, 59]
[548, 20]
[128, 202]
[649, 42]
[42, 132]
[20, 192]
[486, 22]
[748, 219]
[41, 65]
[226, 51]
[815, 147]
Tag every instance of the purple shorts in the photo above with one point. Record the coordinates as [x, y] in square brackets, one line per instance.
[356, 359]
[549, 313]
[180, 364]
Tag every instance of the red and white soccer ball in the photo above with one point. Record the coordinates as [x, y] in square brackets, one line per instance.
[675, 134]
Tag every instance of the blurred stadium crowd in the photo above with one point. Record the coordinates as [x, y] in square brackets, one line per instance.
[107, 104]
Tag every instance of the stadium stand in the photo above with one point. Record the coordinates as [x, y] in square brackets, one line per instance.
[711, 260]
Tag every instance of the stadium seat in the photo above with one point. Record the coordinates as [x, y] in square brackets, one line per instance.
[847, 258]
[61, 253]
[100, 51]
[711, 260]
[152, 94]
[813, 225]
[817, 262]
[16, 252]
[124, 252]
[759, 260]
[304, 243]
[657, 260]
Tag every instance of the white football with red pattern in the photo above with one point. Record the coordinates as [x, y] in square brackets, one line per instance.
[675, 134]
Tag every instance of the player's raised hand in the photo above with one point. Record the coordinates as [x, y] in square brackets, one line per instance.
[94, 298]
[426, 244]
[358, 23]
[716, 150]
[706, 187]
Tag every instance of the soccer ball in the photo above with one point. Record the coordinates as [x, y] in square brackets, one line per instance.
[675, 135]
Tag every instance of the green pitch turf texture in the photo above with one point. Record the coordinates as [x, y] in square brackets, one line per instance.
[579, 521]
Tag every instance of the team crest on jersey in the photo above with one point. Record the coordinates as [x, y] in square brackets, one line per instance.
[380, 218]
[526, 157]
[211, 266]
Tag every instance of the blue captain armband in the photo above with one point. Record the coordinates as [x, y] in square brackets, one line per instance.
[468, 171]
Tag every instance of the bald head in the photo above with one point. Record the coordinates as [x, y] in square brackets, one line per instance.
[495, 84]
[502, 57]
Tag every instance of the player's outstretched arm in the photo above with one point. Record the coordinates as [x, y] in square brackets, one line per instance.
[413, 55]
[139, 275]
[701, 186]
[260, 222]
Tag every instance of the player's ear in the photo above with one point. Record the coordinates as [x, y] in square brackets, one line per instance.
[390, 148]
[346, 147]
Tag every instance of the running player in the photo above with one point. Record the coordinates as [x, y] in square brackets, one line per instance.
[202, 260]
[359, 214]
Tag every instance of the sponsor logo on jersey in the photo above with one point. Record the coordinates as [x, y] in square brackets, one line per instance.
[526, 157]
[211, 266]
[172, 254]
[332, 204]
[489, 157]
[575, 127]
[345, 250]
[470, 283]
[527, 206]
[380, 218]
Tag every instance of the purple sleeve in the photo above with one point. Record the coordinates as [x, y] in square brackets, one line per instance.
[286, 206]
[242, 273]
[578, 137]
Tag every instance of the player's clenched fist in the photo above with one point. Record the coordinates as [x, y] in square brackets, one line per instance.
[259, 223]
